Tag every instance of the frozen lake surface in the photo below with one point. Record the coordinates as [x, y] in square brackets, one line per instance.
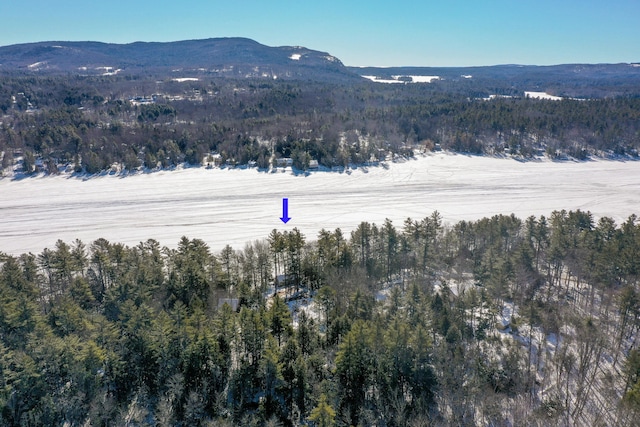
[237, 206]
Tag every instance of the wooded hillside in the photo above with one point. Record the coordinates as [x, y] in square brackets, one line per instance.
[89, 124]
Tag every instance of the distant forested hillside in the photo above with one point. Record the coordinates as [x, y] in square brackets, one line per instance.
[501, 321]
[93, 123]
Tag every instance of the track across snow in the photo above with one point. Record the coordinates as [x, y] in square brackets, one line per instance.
[237, 206]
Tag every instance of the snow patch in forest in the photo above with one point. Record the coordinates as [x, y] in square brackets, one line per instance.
[36, 65]
[379, 80]
[542, 95]
[495, 96]
[403, 79]
[295, 57]
[185, 79]
[383, 294]
[306, 305]
[457, 282]
[112, 73]
[506, 314]
[297, 302]
[421, 79]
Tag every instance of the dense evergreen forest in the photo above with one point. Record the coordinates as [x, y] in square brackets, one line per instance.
[94, 123]
[500, 321]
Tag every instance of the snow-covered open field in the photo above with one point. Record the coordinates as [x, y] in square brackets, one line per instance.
[236, 206]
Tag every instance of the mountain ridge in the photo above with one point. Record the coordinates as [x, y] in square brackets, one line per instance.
[229, 56]
[240, 57]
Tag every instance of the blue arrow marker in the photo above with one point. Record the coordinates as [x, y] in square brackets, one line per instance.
[285, 211]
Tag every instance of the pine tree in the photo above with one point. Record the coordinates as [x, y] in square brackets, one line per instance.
[323, 414]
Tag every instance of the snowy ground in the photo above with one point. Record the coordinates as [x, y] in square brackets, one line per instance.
[403, 79]
[542, 95]
[236, 206]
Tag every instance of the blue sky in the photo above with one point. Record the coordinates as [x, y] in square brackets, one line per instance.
[378, 33]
